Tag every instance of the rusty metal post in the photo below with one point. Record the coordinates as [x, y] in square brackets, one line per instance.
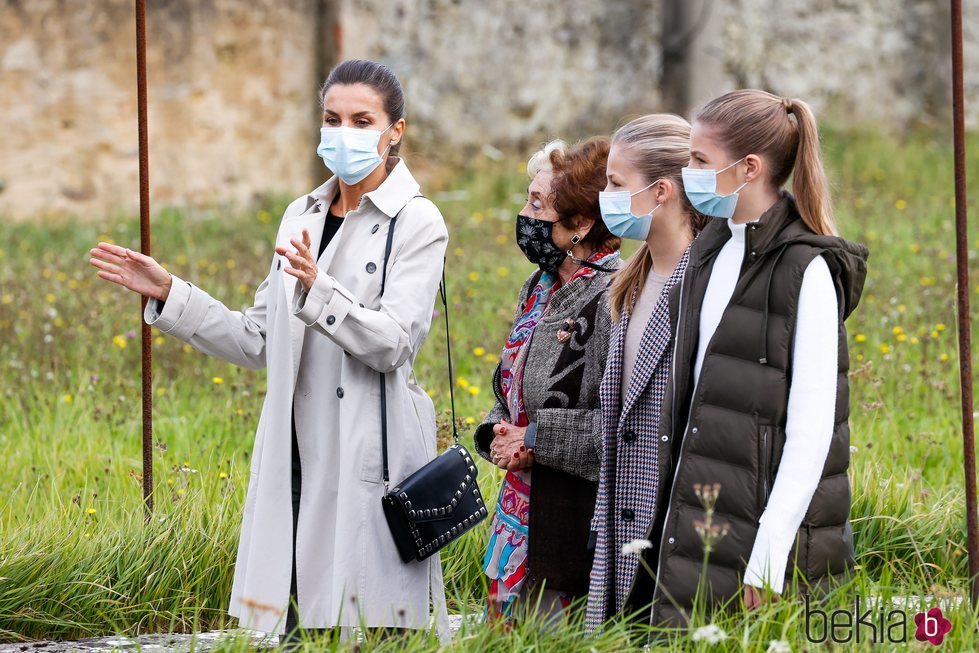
[146, 343]
[964, 317]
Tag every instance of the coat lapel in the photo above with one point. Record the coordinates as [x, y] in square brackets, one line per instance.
[655, 340]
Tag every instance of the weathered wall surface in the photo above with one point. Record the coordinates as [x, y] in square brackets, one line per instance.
[233, 107]
[232, 102]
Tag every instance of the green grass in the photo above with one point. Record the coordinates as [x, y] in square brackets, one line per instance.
[77, 559]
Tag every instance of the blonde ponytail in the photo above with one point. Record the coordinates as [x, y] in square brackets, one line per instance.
[809, 183]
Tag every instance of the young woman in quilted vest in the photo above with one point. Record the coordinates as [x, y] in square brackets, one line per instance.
[757, 407]
[644, 201]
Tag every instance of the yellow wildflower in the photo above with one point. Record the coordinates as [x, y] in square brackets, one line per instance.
[939, 327]
[473, 390]
[90, 511]
[462, 382]
[944, 358]
[479, 351]
[897, 330]
[470, 420]
[860, 338]
[67, 398]
[218, 380]
[885, 348]
[119, 341]
[900, 205]
[502, 271]
[901, 337]
[474, 276]
[50, 298]
[7, 299]
[223, 475]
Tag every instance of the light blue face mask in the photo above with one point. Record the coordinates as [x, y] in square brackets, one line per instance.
[700, 185]
[616, 207]
[351, 152]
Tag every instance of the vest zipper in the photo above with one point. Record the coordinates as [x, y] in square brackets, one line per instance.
[669, 500]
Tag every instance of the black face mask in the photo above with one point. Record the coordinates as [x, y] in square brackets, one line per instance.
[534, 240]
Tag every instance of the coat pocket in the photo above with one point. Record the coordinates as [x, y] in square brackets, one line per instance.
[369, 425]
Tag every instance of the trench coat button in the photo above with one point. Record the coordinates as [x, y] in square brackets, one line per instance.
[375, 228]
[629, 436]
[330, 319]
[628, 514]
[665, 438]
[340, 393]
[371, 267]
[672, 540]
[695, 430]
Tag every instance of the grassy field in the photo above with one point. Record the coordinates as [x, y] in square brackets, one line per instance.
[76, 558]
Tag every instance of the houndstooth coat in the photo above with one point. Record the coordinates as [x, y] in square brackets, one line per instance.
[629, 483]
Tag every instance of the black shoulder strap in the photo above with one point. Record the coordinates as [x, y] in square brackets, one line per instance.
[448, 354]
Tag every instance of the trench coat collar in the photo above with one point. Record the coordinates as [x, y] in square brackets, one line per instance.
[389, 198]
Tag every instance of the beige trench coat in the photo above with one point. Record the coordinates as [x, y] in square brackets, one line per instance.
[326, 349]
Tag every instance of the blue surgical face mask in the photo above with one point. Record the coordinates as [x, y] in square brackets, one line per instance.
[700, 185]
[616, 207]
[351, 152]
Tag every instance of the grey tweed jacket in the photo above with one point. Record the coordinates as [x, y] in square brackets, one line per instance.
[561, 394]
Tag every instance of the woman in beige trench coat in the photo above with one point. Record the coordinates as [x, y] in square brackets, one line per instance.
[324, 333]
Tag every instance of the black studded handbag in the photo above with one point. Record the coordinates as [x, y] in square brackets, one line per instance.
[441, 501]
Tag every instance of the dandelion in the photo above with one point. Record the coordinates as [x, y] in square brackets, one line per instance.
[187, 348]
[939, 327]
[161, 391]
[67, 399]
[897, 330]
[927, 281]
[50, 298]
[503, 239]
[473, 390]
[490, 358]
[934, 335]
[502, 271]
[223, 475]
[900, 205]
[119, 341]
[902, 337]
[635, 547]
[711, 633]
[90, 512]
[470, 420]
[462, 382]
[885, 348]
[474, 276]
[901, 308]
[264, 217]
[458, 251]
[915, 248]
[479, 351]
[944, 358]
[7, 299]
[180, 492]
[779, 646]
[860, 338]
[159, 340]
[240, 412]
[218, 380]
[914, 340]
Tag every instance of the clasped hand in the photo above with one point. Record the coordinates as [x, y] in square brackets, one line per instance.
[507, 449]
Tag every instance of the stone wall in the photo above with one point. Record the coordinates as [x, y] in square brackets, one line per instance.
[233, 106]
[232, 102]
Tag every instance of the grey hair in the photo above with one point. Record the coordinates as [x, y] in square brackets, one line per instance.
[541, 159]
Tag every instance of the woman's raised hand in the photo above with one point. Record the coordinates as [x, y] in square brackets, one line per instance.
[133, 270]
[303, 265]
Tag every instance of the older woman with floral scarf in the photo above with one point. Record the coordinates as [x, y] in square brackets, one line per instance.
[545, 428]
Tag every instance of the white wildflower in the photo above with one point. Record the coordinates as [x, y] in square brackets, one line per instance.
[711, 633]
[853, 449]
[779, 646]
[635, 547]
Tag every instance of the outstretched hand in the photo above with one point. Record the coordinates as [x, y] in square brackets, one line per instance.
[132, 270]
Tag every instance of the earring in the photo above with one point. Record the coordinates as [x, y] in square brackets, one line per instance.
[575, 239]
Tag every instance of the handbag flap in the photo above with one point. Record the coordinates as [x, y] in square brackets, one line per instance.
[436, 490]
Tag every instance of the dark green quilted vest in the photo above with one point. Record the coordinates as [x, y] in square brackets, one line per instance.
[732, 431]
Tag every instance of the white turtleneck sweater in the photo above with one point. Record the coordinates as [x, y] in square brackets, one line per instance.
[811, 405]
